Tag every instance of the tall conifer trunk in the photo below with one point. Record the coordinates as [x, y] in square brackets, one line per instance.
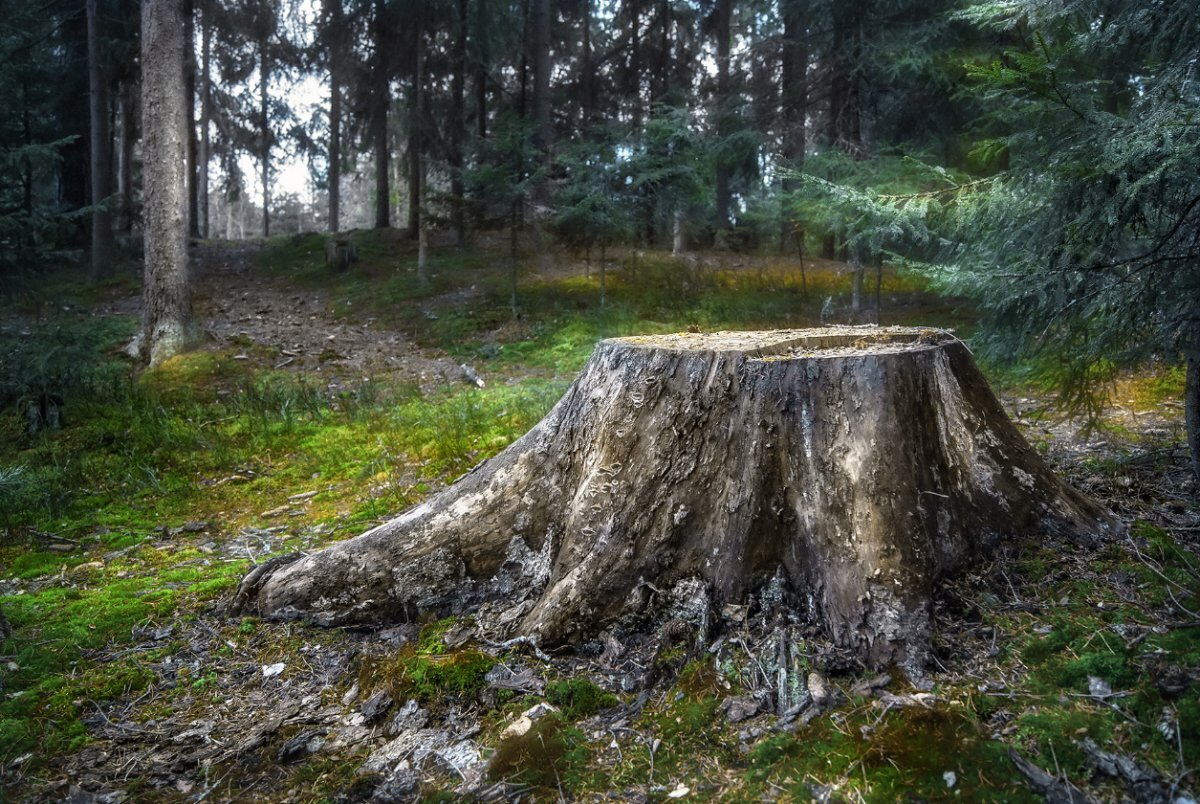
[166, 304]
[415, 127]
[205, 151]
[722, 197]
[126, 141]
[382, 100]
[335, 18]
[189, 77]
[458, 125]
[265, 134]
[794, 101]
[101, 145]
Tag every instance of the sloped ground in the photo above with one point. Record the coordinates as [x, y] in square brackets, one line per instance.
[124, 680]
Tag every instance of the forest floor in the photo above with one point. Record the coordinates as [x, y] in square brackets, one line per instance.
[319, 404]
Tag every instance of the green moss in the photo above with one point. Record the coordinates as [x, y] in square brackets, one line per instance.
[550, 755]
[904, 757]
[578, 697]
[432, 678]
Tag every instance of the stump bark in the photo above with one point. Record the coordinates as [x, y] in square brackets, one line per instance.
[847, 470]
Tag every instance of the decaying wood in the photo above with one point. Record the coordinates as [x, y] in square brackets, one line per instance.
[839, 474]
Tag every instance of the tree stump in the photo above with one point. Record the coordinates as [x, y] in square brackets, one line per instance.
[848, 469]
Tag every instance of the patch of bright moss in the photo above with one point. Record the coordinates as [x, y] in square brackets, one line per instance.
[550, 755]
[578, 697]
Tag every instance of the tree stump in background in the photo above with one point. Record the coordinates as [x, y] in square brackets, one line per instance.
[847, 470]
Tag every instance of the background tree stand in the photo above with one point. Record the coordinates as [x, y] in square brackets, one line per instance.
[844, 471]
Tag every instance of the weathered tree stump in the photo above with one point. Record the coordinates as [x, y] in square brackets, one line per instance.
[854, 468]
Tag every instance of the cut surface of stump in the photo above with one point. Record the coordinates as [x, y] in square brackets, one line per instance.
[847, 470]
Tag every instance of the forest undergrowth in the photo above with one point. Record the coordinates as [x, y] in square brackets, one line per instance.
[319, 404]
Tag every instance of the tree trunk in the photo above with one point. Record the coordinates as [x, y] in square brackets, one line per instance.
[423, 252]
[415, 138]
[205, 155]
[1191, 395]
[721, 192]
[189, 79]
[102, 231]
[856, 290]
[850, 470]
[382, 100]
[481, 70]
[265, 133]
[678, 237]
[127, 139]
[794, 102]
[458, 127]
[634, 9]
[845, 109]
[588, 80]
[543, 133]
[164, 150]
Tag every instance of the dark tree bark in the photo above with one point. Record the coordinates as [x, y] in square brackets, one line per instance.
[335, 18]
[73, 115]
[481, 70]
[633, 8]
[381, 98]
[588, 79]
[264, 77]
[845, 108]
[415, 128]
[101, 142]
[189, 77]
[850, 469]
[164, 145]
[794, 103]
[458, 125]
[126, 140]
[205, 152]
[721, 192]
[1191, 395]
[544, 133]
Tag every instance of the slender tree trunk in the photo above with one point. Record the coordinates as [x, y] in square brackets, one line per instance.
[205, 154]
[336, 21]
[423, 251]
[73, 116]
[265, 133]
[544, 132]
[164, 143]
[722, 198]
[102, 232]
[381, 101]
[1191, 396]
[845, 111]
[662, 84]
[126, 141]
[27, 172]
[678, 238]
[481, 70]
[515, 218]
[857, 288]
[587, 79]
[189, 78]
[635, 62]
[794, 102]
[603, 276]
[415, 128]
[458, 127]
